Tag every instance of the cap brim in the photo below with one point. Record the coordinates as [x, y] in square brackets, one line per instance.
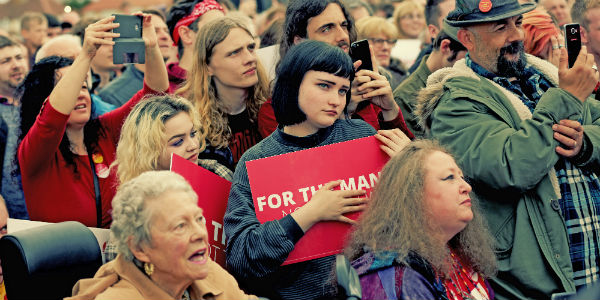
[525, 7]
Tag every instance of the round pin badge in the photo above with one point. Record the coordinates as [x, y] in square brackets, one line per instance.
[102, 170]
[97, 158]
[485, 5]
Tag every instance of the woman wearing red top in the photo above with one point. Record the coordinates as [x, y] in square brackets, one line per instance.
[64, 155]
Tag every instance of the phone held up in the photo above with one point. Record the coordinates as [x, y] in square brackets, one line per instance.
[573, 42]
[129, 46]
[359, 50]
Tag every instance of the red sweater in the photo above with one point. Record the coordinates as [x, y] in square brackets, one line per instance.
[369, 113]
[53, 192]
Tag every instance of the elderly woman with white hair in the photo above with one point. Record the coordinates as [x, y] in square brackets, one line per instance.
[163, 246]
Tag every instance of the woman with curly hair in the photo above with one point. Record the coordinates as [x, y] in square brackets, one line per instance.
[433, 244]
[227, 85]
[155, 129]
[64, 154]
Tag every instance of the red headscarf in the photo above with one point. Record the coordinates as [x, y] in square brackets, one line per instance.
[200, 9]
[539, 27]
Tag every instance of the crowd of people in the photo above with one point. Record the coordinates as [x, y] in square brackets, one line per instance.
[491, 189]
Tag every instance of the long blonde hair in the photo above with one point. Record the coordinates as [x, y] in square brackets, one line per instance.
[142, 137]
[396, 218]
[200, 88]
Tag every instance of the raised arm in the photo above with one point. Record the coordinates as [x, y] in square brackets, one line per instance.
[156, 76]
[65, 93]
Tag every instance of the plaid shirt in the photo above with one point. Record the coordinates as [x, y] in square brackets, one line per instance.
[579, 189]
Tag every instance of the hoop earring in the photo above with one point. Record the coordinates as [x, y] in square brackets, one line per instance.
[148, 268]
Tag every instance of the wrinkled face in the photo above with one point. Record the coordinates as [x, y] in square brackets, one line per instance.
[179, 248]
[83, 107]
[13, 67]
[233, 61]
[412, 24]
[162, 35]
[446, 195]
[36, 34]
[181, 139]
[498, 46]
[330, 27]
[592, 35]
[322, 98]
[560, 9]
[382, 47]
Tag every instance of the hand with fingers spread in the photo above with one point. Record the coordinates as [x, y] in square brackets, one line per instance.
[98, 34]
[581, 79]
[329, 205]
[570, 134]
[392, 141]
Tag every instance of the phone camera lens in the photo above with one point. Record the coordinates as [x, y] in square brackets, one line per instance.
[573, 31]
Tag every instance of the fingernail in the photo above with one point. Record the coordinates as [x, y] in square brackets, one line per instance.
[554, 126]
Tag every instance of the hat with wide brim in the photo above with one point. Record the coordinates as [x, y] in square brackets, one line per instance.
[469, 12]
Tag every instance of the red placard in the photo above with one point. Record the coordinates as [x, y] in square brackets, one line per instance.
[283, 183]
[213, 192]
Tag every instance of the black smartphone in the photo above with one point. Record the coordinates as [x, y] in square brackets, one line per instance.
[573, 42]
[359, 50]
[129, 46]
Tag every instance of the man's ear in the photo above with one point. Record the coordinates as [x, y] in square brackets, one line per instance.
[433, 31]
[466, 38]
[138, 251]
[584, 34]
[445, 47]
[297, 39]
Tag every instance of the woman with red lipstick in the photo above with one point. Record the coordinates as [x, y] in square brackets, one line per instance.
[64, 155]
[311, 93]
[163, 247]
[227, 85]
[433, 244]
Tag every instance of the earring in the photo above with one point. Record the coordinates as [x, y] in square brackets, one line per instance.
[149, 268]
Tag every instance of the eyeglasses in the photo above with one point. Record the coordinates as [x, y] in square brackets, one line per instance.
[379, 42]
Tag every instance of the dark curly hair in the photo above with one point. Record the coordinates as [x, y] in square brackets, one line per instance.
[296, 19]
[34, 90]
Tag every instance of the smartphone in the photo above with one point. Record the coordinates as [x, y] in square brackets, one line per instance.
[129, 46]
[359, 50]
[573, 40]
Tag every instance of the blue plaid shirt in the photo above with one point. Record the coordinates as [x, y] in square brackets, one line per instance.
[579, 189]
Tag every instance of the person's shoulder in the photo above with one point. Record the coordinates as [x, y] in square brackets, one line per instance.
[123, 289]
[354, 128]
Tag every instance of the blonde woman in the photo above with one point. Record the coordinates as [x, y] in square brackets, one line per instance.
[382, 36]
[157, 128]
[227, 85]
[434, 244]
[409, 18]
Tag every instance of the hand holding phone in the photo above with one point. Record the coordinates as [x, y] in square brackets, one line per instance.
[360, 51]
[129, 46]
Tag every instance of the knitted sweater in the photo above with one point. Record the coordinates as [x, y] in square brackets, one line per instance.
[256, 251]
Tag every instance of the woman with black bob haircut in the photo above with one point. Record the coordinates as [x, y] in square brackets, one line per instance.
[310, 95]
[64, 154]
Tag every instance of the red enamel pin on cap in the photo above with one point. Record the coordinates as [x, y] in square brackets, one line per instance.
[485, 5]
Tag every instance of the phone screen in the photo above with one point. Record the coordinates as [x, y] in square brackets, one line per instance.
[573, 41]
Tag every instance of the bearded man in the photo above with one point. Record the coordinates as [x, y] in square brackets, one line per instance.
[528, 138]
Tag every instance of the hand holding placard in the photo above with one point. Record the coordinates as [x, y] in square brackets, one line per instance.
[330, 205]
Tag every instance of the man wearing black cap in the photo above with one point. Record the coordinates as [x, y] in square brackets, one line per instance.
[529, 141]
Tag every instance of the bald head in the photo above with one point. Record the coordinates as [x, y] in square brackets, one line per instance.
[66, 45]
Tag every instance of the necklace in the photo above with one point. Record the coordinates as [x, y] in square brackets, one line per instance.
[463, 283]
